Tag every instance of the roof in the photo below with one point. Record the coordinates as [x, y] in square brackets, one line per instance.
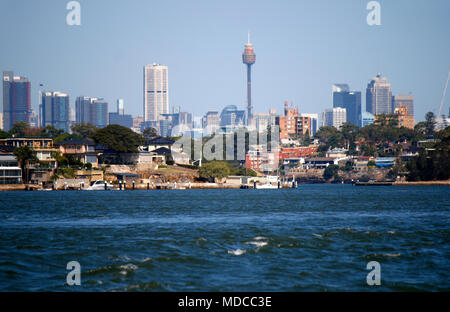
[162, 151]
[76, 142]
[159, 141]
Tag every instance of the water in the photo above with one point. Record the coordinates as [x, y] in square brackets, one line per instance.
[315, 238]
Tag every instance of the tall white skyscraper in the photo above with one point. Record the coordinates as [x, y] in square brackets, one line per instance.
[379, 96]
[156, 92]
[334, 117]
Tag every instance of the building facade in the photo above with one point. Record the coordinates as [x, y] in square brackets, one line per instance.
[16, 100]
[334, 117]
[314, 122]
[156, 92]
[91, 110]
[379, 96]
[289, 122]
[404, 101]
[350, 100]
[119, 117]
[55, 110]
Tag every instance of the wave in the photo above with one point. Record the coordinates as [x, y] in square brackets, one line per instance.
[237, 252]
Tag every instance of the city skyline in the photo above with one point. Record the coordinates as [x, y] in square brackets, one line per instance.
[306, 80]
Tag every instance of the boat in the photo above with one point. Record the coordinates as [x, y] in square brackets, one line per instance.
[99, 185]
[266, 186]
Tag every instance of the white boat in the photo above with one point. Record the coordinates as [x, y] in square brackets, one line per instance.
[99, 185]
[266, 186]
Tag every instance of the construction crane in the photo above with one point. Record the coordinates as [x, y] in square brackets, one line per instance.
[443, 95]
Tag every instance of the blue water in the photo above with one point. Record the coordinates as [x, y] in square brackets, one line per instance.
[315, 238]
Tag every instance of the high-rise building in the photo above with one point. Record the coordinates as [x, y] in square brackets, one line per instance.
[156, 92]
[403, 117]
[334, 117]
[120, 107]
[55, 110]
[91, 110]
[83, 110]
[99, 113]
[404, 101]
[314, 123]
[232, 117]
[211, 121]
[119, 117]
[350, 100]
[289, 122]
[379, 96]
[249, 58]
[16, 99]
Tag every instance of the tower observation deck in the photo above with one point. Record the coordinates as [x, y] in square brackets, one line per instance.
[249, 58]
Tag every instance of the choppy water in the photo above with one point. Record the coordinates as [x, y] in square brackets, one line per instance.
[318, 237]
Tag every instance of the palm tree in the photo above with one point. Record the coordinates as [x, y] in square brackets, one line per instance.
[25, 155]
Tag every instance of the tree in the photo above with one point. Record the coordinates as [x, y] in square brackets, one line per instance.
[84, 130]
[331, 172]
[51, 132]
[118, 138]
[19, 129]
[214, 169]
[25, 155]
[150, 132]
[430, 123]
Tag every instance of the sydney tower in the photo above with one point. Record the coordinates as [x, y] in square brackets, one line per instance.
[249, 58]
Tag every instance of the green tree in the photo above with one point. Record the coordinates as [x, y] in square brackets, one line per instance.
[214, 169]
[150, 132]
[331, 172]
[119, 138]
[19, 129]
[430, 123]
[83, 130]
[25, 156]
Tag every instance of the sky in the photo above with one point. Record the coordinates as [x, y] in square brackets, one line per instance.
[302, 48]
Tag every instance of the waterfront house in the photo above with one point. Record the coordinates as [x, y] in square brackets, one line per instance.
[10, 172]
[83, 150]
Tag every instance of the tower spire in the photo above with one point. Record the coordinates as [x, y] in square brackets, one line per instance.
[248, 36]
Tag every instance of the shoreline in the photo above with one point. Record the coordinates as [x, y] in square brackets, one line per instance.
[183, 186]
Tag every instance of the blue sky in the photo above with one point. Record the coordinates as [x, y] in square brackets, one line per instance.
[302, 48]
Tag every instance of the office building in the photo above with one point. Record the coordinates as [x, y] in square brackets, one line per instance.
[404, 101]
[119, 117]
[92, 111]
[314, 122]
[55, 110]
[379, 96]
[350, 100]
[289, 122]
[334, 117]
[232, 117]
[156, 92]
[16, 100]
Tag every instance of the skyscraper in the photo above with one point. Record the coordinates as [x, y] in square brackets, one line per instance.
[350, 100]
[16, 100]
[99, 113]
[249, 58]
[404, 101]
[156, 92]
[334, 117]
[91, 110]
[55, 110]
[379, 96]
